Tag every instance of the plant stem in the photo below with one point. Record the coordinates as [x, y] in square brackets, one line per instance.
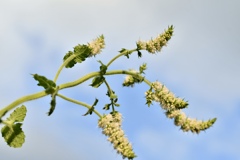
[19, 101]
[80, 103]
[63, 65]
[119, 55]
[110, 93]
[37, 95]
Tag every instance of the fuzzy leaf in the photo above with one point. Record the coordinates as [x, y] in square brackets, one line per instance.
[47, 84]
[81, 52]
[14, 136]
[18, 114]
[72, 62]
[97, 81]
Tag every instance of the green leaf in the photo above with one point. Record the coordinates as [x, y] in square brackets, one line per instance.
[18, 114]
[72, 62]
[12, 132]
[107, 106]
[14, 136]
[53, 102]
[103, 68]
[116, 104]
[53, 105]
[47, 84]
[97, 81]
[92, 108]
[127, 53]
[81, 52]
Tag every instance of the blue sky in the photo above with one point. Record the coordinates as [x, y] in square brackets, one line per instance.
[200, 64]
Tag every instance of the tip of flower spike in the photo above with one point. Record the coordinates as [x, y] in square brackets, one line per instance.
[111, 127]
[97, 45]
[155, 45]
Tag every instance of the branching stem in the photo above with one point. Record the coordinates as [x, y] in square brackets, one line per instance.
[79, 103]
[37, 95]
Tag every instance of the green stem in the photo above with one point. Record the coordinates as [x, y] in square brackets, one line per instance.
[110, 93]
[119, 55]
[21, 100]
[79, 103]
[129, 73]
[108, 87]
[63, 65]
[37, 95]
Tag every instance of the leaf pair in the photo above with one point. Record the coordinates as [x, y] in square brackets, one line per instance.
[49, 87]
[97, 81]
[113, 98]
[90, 110]
[12, 131]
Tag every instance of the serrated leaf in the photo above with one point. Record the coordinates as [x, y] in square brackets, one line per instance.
[81, 52]
[47, 84]
[14, 136]
[97, 81]
[18, 114]
[72, 62]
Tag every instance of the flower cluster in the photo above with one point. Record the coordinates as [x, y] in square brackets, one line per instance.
[172, 106]
[167, 99]
[97, 45]
[188, 124]
[111, 125]
[155, 45]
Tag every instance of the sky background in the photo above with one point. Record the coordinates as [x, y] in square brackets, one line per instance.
[200, 64]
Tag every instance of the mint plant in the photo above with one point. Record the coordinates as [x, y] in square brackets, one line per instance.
[110, 123]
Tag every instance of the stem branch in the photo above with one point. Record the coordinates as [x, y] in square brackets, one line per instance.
[79, 103]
